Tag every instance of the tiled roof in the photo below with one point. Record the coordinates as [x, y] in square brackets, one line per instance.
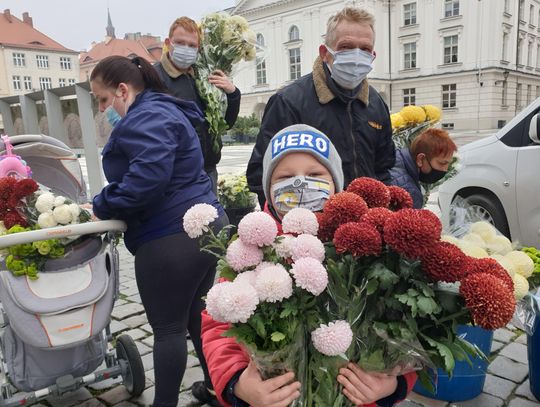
[16, 33]
[115, 46]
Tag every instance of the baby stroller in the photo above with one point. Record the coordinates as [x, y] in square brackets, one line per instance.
[55, 329]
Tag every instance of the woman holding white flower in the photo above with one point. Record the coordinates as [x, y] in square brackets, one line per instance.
[154, 166]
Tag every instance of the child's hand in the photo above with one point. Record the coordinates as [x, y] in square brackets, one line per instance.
[279, 391]
[363, 387]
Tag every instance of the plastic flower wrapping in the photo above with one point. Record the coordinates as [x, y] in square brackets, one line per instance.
[410, 122]
[226, 40]
[368, 280]
[233, 192]
[25, 207]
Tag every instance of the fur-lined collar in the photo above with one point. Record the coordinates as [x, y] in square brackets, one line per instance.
[324, 93]
[172, 70]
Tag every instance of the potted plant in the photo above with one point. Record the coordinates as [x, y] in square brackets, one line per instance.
[235, 196]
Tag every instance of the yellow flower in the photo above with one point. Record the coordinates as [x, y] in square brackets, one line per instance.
[239, 22]
[413, 114]
[433, 113]
[397, 120]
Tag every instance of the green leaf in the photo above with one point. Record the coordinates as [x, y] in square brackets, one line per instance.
[427, 306]
[444, 352]
[277, 336]
[371, 286]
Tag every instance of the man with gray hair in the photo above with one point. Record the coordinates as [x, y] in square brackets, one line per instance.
[336, 99]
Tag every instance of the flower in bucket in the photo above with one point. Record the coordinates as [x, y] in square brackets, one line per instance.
[233, 192]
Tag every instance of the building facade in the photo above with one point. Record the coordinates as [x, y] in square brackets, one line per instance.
[479, 60]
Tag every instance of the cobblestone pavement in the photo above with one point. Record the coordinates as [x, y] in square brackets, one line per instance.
[506, 382]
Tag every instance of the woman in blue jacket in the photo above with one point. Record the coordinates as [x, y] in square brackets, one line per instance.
[154, 166]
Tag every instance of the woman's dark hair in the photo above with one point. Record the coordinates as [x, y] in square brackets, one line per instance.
[137, 72]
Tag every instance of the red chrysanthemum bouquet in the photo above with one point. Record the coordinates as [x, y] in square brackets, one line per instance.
[402, 290]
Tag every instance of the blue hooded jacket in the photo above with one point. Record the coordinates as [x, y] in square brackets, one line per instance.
[405, 175]
[154, 165]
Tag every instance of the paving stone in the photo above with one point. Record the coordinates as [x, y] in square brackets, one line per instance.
[515, 351]
[115, 395]
[150, 375]
[90, 403]
[497, 346]
[147, 328]
[521, 339]
[192, 361]
[117, 326]
[132, 283]
[136, 333]
[186, 399]
[483, 400]
[148, 361]
[408, 403]
[125, 404]
[426, 401]
[119, 302]
[127, 310]
[519, 402]
[149, 341]
[190, 347]
[524, 390]
[70, 399]
[135, 298]
[498, 387]
[192, 375]
[129, 291]
[503, 335]
[136, 321]
[508, 369]
[106, 384]
[146, 398]
[142, 348]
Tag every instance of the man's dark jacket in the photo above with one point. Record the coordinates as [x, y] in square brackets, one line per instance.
[183, 87]
[358, 126]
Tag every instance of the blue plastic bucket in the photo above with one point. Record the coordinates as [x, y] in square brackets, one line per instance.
[533, 350]
[467, 381]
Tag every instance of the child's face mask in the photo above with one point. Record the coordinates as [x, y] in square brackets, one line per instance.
[300, 192]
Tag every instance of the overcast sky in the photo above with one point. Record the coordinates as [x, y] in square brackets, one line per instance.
[76, 23]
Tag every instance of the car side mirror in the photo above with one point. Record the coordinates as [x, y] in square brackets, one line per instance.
[534, 129]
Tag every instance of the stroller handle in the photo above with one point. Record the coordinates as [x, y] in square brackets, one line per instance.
[57, 232]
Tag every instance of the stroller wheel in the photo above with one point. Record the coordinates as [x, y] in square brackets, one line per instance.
[132, 366]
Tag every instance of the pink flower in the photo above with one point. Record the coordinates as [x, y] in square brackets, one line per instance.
[283, 246]
[213, 298]
[241, 256]
[257, 228]
[310, 275]
[248, 277]
[332, 339]
[238, 302]
[197, 218]
[307, 246]
[273, 284]
[300, 220]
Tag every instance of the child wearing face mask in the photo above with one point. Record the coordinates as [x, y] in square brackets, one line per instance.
[301, 169]
[426, 161]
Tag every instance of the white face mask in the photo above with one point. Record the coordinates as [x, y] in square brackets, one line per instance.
[350, 67]
[301, 192]
[183, 56]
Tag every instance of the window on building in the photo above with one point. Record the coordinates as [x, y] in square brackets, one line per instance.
[45, 83]
[260, 69]
[409, 14]
[504, 101]
[529, 94]
[65, 63]
[18, 59]
[520, 46]
[451, 8]
[531, 15]
[260, 40]
[294, 33]
[519, 96]
[522, 9]
[42, 61]
[27, 83]
[61, 82]
[451, 49]
[16, 82]
[529, 53]
[294, 64]
[505, 46]
[506, 6]
[449, 96]
[409, 52]
[71, 81]
[409, 96]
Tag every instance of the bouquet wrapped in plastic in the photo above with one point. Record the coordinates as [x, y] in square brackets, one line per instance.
[226, 40]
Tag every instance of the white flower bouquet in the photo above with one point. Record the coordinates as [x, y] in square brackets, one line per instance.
[225, 41]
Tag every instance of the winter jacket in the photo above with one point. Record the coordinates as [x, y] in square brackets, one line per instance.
[226, 359]
[183, 87]
[154, 166]
[405, 175]
[357, 124]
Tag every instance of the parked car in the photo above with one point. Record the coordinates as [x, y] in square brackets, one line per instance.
[500, 179]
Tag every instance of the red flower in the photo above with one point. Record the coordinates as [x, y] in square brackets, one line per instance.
[326, 229]
[6, 187]
[490, 266]
[359, 239]
[488, 299]
[445, 262]
[22, 189]
[412, 232]
[13, 218]
[344, 207]
[399, 198]
[376, 217]
[373, 191]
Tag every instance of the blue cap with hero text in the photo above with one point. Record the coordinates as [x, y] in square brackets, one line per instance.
[301, 138]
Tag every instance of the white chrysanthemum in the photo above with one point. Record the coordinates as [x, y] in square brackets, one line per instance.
[248, 276]
[474, 239]
[332, 339]
[75, 210]
[59, 200]
[232, 302]
[273, 284]
[45, 202]
[300, 221]
[450, 239]
[472, 250]
[283, 246]
[2, 228]
[310, 275]
[307, 246]
[213, 298]
[46, 220]
[498, 244]
[521, 286]
[62, 214]
[484, 229]
[522, 262]
[507, 264]
[197, 218]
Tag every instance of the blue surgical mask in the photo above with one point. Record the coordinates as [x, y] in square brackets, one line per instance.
[350, 67]
[301, 192]
[111, 114]
[183, 56]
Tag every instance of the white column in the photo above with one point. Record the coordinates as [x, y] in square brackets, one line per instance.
[29, 115]
[7, 117]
